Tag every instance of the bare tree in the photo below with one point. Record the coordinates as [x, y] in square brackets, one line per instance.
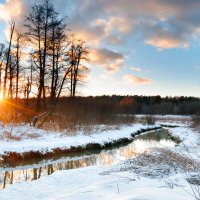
[11, 74]
[57, 45]
[34, 30]
[12, 28]
[46, 33]
[19, 40]
[2, 56]
[77, 53]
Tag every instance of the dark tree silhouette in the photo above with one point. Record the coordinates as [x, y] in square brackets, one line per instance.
[8, 59]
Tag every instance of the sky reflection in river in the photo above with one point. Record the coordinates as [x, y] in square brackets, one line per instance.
[158, 139]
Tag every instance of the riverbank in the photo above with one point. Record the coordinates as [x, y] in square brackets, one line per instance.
[24, 141]
[92, 183]
[157, 174]
[49, 144]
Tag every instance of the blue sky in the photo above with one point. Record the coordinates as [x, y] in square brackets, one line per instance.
[2, 27]
[137, 47]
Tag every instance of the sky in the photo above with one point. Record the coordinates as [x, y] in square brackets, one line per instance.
[136, 47]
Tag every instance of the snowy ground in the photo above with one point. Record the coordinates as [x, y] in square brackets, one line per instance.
[24, 138]
[115, 181]
[168, 119]
[90, 183]
[32, 139]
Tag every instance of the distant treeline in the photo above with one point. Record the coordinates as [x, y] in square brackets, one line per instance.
[137, 104]
[101, 109]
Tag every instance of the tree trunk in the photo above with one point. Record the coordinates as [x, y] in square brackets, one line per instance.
[12, 27]
[17, 65]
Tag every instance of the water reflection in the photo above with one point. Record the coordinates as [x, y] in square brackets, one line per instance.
[107, 158]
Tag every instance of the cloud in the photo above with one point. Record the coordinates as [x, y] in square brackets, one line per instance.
[164, 24]
[100, 30]
[11, 9]
[15, 10]
[108, 59]
[128, 78]
[166, 40]
[148, 20]
[119, 24]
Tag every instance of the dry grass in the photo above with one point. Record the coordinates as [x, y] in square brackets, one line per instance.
[150, 119]
[9, 136]
[60, 122]
[158, 164]
[196, 123]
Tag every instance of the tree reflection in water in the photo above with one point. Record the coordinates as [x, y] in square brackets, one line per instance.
[107, 158]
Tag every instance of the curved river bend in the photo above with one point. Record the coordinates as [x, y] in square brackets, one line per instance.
[141, 144]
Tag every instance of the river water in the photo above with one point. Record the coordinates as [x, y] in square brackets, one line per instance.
[141, 144]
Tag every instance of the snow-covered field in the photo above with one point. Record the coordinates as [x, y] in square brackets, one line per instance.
[110, 182]
[24, 138]
[168, 119]
[90, 183]
[32, 139]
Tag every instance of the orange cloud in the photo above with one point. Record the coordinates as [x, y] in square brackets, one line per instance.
[136, 80]
[110, 60]
[11, 9]
[165, 40]
[114, 23]
[91, 37]
[121, 20]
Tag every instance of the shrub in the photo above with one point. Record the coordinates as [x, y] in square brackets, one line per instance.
[150, 119]
[196, 121]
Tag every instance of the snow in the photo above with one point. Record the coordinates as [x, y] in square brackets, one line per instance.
[173, 120]
[190, 141]
[168, 116]
[90, 183]
[101, 182]
[46, 140]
